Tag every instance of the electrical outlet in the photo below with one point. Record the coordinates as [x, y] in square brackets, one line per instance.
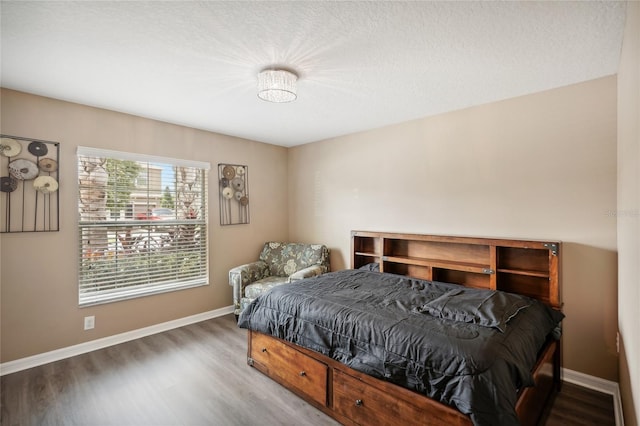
[89, 322]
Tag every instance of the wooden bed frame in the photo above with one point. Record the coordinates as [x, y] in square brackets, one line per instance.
[353, 398]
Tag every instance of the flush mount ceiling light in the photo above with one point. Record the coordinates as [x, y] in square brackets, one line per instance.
[276, 85]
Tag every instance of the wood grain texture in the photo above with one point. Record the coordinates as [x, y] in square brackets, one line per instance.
[193, 375]
[575, 405]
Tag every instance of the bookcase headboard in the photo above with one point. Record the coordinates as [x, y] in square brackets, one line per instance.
[527, 267]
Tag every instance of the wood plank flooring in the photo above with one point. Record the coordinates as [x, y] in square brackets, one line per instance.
[193, 375]
[576, 405]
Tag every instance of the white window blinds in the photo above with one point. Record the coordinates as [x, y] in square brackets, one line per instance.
[142, 225]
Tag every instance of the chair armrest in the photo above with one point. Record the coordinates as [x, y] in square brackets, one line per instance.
[243, 275]
[311, 271]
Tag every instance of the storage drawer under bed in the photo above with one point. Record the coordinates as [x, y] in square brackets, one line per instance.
[290, 367]
[365, 404]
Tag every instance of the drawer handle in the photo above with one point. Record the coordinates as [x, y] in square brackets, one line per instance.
[264, 349]
[303, 373]
[359, 403]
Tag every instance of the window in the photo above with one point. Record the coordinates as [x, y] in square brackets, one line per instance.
[142, 225]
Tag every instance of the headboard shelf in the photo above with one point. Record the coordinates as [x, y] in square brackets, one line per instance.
[437, 263]
[526, 267]
[367, 245]
[365, 254]
[524, 272]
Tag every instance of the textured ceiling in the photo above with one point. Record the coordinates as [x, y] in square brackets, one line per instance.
[362, 65]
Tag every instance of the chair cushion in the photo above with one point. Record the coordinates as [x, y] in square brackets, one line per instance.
[256, 288]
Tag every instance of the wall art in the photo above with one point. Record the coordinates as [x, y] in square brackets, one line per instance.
[233, 180]
[29, 179]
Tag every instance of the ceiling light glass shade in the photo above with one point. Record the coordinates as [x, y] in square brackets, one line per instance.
[277, 86]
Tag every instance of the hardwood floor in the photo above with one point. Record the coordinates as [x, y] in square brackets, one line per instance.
[193, 375]
[576, 405]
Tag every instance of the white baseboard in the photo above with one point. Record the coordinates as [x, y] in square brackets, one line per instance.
[600, 385]
[58, 354]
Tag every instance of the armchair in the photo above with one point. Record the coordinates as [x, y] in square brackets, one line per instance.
[278, 263]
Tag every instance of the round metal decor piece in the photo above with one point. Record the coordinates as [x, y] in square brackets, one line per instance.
[224, 182]
[238, 184]
[48, 165]
[45, 184]
[238, 195]
[244, 201]
[240, 171]
[8, 184]
[38, 149]
[23, 169]
[9, 147]
[229, 172]
[227, 193]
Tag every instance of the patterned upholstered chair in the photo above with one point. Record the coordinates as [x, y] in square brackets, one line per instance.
[279, 263]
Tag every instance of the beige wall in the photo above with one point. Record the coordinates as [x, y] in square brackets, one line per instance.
[629, 215]
[39, 310]
[541, 166]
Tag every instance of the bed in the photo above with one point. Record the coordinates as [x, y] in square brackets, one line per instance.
[389, 342]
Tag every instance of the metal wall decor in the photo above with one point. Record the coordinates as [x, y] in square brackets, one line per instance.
[233, 180]
[29, 200]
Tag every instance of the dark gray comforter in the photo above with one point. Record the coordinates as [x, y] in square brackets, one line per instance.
[471, 349]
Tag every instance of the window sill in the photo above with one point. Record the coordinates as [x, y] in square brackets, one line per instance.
[132, 293]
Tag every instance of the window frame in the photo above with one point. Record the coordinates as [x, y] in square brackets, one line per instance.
[190, 236]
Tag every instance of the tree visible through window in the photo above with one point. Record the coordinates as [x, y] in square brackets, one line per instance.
[142, 225]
